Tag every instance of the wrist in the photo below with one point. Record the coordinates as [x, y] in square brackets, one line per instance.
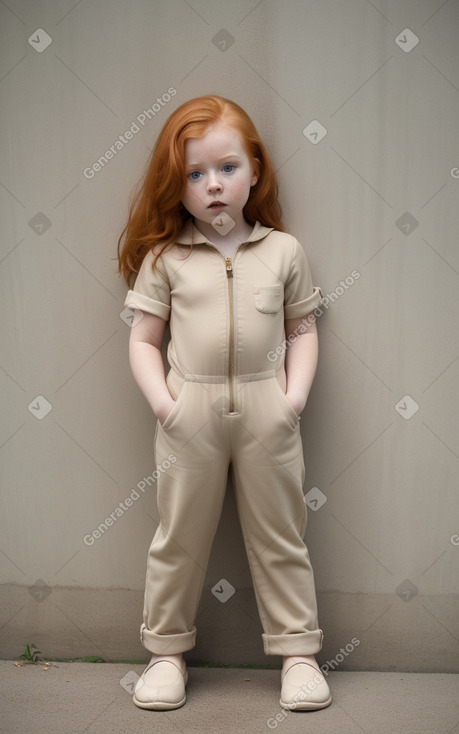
[162, 408]
[296, 400]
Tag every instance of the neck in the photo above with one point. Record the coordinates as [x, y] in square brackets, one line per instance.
[239, 233]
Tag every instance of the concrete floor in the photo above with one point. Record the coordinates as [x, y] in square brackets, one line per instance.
[89, 698]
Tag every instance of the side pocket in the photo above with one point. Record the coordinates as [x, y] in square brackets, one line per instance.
[172, 416]
[290, 410]
[268, 298]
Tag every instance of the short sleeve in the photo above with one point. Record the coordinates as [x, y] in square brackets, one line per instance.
[300, 296]
[151, 291]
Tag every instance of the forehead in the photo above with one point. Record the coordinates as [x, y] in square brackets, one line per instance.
[218, 140]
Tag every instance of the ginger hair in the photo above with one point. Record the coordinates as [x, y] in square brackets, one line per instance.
[156, 213]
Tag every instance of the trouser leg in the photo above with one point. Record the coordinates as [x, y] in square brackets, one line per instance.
[190, 499]
[268, 472]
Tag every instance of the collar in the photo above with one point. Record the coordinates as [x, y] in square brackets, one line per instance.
[190, 234]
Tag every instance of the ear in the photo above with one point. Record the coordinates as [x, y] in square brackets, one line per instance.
[256, 171]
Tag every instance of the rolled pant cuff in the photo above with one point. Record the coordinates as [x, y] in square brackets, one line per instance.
[302, 643]
[167, 644]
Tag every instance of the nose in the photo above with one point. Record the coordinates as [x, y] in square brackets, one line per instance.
[213, 183]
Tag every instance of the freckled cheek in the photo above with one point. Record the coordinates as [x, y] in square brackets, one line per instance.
[240, 190]
[192, 196]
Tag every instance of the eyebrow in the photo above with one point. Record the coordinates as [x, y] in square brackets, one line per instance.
[222, 158]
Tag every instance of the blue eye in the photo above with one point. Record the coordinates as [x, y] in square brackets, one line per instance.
[228, 166]
[194, 175]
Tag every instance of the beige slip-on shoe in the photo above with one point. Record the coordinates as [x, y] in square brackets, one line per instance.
[161, 686]
[304, 688]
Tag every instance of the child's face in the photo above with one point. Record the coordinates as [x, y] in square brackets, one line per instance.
[218, 170]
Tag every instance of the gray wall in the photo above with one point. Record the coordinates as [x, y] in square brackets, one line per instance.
[374, 202]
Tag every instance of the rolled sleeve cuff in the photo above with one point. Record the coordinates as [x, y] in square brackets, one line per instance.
[302, 308]
[144, 303]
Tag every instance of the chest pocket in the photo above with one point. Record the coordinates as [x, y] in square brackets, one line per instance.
[268, 298]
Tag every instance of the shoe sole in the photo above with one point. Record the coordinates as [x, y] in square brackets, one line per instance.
[158, 705]
[305, 706]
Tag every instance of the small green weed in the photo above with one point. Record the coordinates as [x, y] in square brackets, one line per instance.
[31, 654]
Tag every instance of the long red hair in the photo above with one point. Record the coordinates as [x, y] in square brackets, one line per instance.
[156, 213]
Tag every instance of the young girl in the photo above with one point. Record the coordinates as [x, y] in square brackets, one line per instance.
[205, 241]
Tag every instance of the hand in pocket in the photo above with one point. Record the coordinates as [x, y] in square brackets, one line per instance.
[165, 410]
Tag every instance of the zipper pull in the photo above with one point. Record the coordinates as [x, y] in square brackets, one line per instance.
[229, 267]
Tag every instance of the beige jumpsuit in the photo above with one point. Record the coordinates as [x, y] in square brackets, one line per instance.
[226, 320]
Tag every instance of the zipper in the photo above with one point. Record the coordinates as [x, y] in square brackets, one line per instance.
[229, 277]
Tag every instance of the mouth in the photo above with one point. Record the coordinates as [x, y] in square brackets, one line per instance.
[216, 205]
